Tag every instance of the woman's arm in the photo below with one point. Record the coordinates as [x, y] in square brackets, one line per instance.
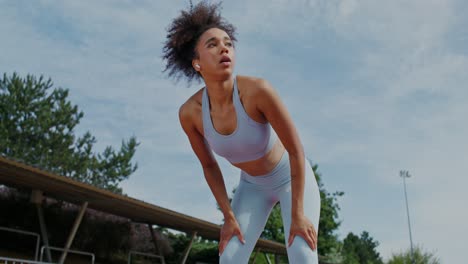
[215, 180]
[211, 169]
[213, 177]
[271, 106]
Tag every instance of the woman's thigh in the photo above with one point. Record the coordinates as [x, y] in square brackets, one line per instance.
[251, 207]
[300, 252]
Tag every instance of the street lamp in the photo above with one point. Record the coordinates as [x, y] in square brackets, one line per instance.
[404, 175]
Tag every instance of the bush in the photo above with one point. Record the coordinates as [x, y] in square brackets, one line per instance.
[420, 257]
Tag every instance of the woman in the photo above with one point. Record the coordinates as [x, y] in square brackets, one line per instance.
[234, 117]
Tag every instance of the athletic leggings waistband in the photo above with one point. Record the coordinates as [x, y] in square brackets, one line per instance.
[274, 178]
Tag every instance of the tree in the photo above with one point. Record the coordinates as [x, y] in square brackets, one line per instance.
[420, 257]
[273, 231]
[328, 224]
[37, 127]
[274, 226]
[202, 250]
[360, 250]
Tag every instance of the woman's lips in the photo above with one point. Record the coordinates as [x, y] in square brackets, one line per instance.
[225, 58]
[225, 61]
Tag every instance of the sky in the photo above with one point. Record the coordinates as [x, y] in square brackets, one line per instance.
[373, 87]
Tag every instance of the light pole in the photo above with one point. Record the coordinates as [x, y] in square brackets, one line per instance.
[404, 175]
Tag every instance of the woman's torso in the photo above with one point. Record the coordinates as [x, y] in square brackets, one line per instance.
[225, 122]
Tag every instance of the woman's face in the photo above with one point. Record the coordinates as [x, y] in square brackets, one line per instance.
[216, 57]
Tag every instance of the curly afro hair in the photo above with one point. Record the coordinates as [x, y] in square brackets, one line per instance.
[182, 37]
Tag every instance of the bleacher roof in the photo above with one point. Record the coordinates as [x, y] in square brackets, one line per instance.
[17, 174]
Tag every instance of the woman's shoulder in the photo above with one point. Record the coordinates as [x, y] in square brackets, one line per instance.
[253, 86]
[192, 106]
[250, 80]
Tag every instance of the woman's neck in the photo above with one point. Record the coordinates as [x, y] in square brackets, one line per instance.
[220, 91]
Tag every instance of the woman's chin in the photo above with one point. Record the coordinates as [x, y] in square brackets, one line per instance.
[226, 73]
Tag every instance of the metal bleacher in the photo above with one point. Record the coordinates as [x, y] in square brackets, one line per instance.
[5, 260]
[44, 184]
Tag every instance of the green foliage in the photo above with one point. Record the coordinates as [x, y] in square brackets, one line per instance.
[328, 224]
[273, 231]
[261, 258]
[420, 257]
[328, 242]
[360, 250]
[37, 127]
[327, 239]
[205, 251]
[334, 256]
[274, 226]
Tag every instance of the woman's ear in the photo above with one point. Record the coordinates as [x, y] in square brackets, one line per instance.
[196, 65]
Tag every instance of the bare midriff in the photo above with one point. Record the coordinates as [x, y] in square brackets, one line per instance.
[264, 164]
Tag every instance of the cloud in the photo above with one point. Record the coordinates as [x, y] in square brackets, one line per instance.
[401, 108]
[373, 87]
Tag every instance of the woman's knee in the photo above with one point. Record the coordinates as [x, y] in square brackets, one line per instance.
[235, 252]
[226, 258]
[300, 252]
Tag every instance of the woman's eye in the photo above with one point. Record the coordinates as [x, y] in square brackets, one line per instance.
[211, 45]
[229, 44]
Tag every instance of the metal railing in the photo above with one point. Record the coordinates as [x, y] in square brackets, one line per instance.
[142, 254]
[19, 231]
[4, 260]
[69, 251]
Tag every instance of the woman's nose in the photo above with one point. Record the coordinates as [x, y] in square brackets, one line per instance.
[224, 48]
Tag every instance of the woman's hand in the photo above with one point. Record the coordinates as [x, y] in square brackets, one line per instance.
[301, 226]
[230, 228]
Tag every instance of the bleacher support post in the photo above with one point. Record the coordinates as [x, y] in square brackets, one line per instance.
[187, 250]
[37, 199]
[267, 258]
[73, 232]
[255, 255]
[156, 245]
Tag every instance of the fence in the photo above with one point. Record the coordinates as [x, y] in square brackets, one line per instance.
[4, 260]
[18, 231]
[69, 251]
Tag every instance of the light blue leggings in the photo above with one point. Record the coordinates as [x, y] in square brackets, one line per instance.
[252, 203]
